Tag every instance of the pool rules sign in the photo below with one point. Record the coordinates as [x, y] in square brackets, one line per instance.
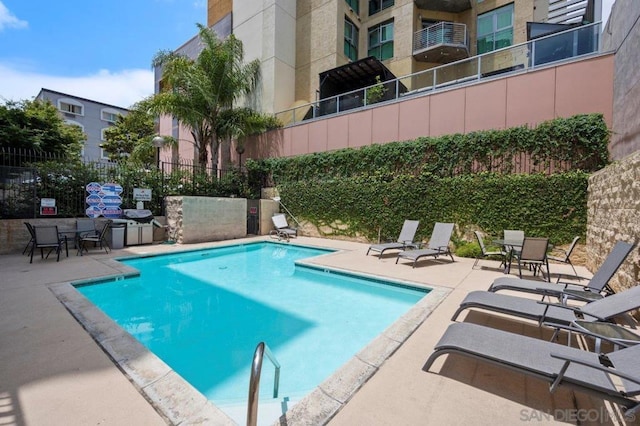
[103, 200]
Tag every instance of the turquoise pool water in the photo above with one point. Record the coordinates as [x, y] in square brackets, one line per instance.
[204, 312]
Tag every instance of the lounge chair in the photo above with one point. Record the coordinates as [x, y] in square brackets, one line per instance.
[598, 284]
[584, 371]
[97, 239]
[486, 253]
[283, 230]
[47, 237]
[405, 240]
[604, 309]
[438, 245]
[565, 256]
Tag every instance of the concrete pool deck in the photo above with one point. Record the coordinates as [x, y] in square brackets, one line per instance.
[53, 372]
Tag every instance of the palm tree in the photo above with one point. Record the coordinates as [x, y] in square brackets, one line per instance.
[196, 91]
[239, 123]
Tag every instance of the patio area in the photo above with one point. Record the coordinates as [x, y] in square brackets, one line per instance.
[53, 372]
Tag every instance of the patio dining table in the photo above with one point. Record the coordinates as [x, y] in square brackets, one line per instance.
[510, 246]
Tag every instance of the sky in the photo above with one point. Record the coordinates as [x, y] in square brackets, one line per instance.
[97, 50]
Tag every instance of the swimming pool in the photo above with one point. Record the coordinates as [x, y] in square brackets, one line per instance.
[204, 312]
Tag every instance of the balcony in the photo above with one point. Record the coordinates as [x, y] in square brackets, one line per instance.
[566, 46]
[442, 43]
[452, 6]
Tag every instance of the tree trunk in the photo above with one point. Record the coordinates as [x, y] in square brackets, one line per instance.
[225, 153]
[215, 148]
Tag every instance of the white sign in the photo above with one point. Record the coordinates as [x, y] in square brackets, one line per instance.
[48, 202]
[142, 194]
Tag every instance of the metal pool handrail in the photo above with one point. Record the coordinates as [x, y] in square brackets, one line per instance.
[254, 382]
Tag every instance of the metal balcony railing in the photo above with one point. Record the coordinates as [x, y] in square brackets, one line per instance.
[441, 33]
[563, 46]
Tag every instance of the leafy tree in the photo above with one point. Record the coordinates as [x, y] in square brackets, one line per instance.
[196, 91]
[131, 136]
[37, 125]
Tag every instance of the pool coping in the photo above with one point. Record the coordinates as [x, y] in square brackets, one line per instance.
[178, 402]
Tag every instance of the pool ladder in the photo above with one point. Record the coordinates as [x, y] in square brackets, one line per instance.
[254, 382]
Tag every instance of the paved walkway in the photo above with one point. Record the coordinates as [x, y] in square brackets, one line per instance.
[52, 372]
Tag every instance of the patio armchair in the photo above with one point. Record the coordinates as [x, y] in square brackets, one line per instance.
[565, 256]
[32, 237]
[487, 253]
[534, 254]
[98, 239]
[47, 237]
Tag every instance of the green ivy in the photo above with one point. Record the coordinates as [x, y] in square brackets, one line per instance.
[575, 143]
[553, 206]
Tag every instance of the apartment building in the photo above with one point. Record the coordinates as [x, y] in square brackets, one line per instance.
[92, 117]
[311, 50]
[306, 46]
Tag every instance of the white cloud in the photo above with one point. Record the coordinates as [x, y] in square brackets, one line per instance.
[122, 88]
[9, 20]
[606, 10]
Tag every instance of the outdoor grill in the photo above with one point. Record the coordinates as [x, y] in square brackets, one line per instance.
[137, 215]
[139, 226]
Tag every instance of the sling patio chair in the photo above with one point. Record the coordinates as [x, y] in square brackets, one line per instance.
[596, 288]
[438, 245]
[534, 254]
[282, 229]
[589, 372]
[47, 237]
[97, 239]
[405, 239]
[605, 309]
[488, 253]
[565, 256]
[31, 240]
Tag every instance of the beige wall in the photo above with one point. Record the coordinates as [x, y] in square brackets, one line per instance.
[268, 33]
[613, 212]
[202, 219]
[523, 99]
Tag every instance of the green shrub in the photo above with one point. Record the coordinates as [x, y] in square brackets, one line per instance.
[468, 250]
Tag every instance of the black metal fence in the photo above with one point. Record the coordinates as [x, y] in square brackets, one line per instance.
[29, 177]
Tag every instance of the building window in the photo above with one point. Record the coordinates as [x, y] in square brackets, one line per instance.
[376, 6]
[70, 107]
[109, 115]
[495, 29]
[381, 41]
[103, 154]
[350, 40]
[354, 5]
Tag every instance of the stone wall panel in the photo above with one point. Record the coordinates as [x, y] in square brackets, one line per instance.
[613, 214]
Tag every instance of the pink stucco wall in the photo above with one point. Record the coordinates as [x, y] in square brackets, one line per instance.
[523, 99]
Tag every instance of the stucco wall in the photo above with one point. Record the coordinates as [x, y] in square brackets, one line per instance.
[201, 219]
[528, 98]
[613, 215]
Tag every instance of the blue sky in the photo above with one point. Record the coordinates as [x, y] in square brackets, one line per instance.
[96, 50]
